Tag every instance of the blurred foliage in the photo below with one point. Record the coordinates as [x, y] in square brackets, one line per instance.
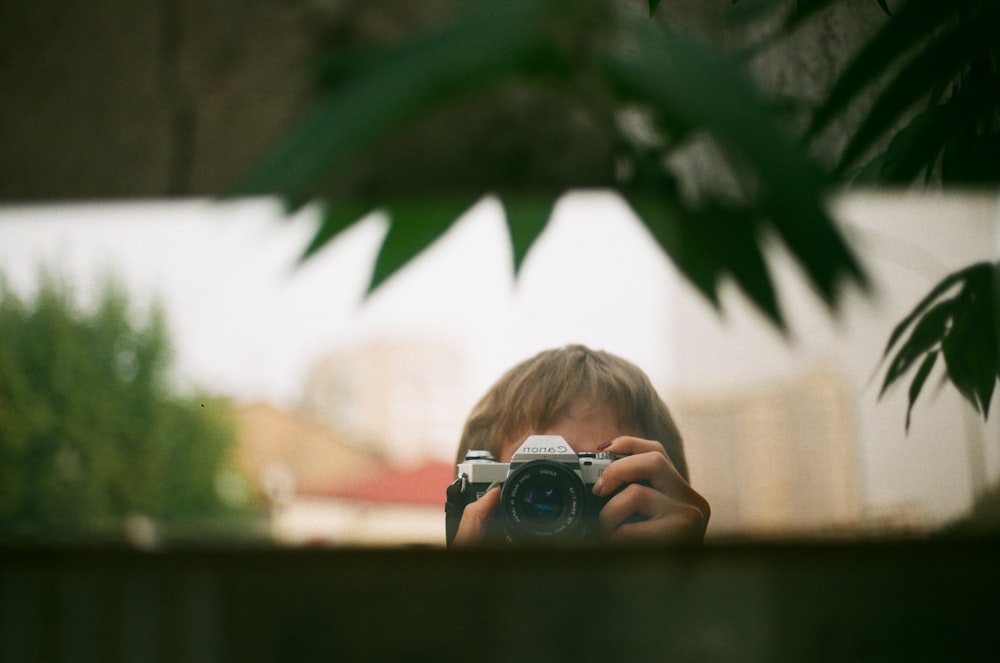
[931, 81]
[527, 99]
[934, 73]
[92, 441]
[961, 330]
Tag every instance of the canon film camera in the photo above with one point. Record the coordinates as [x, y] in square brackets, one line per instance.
[546, 495]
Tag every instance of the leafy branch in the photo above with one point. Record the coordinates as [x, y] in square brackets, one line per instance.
[429, 126]
[960, 329]
[943, 55]
[933, 73]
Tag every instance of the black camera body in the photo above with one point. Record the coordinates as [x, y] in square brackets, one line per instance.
[546, 494]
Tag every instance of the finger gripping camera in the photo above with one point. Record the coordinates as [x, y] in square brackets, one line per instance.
[546, 495]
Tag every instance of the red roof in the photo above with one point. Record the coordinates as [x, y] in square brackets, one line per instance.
[423, 485]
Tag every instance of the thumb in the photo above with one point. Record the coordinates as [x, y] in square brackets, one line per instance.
[472, 527]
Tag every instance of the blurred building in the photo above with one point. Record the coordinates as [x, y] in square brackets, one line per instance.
[404, 398]
[778, 459]
[285, 455]
[396, 506]
[366, 458]
[323, 491]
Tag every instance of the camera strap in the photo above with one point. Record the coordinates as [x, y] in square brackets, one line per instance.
[454, 506]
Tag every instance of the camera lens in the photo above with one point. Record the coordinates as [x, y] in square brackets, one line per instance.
[543, 500]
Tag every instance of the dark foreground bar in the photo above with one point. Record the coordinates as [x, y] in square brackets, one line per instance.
[797, 602]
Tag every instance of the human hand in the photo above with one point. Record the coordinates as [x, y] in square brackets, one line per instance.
[651, 487]
[472, 527]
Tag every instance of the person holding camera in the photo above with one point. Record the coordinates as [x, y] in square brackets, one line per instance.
[573, 445]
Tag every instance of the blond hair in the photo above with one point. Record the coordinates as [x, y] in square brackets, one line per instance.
[536, 392]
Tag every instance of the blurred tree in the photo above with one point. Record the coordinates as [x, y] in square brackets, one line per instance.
[91, 439]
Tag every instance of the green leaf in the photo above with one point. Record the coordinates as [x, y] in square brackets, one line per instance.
[526, 218]
[916, 147]
[913, 22]
[995, 318]
[337, 217]
[653, 4]
[970, 349]
[934, 65]
[972, 161]
[927, 333]
[664, 218]
[498, 40]
[965, 330]
[740, 254]
[983, 356]
[951, 127]
[691, 239]
[803, 11]
[661, 78]
[960, 372]
[943, 286]
[652, 194]
[414, 226]
[869, 175]
[918, 382]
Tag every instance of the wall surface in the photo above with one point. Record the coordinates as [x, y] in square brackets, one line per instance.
[153, 98]
[913, 601]
[147, 98]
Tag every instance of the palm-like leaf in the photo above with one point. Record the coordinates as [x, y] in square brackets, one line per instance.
[960, 328]
[496, 41]
[526, 217]
[788, 198]
[942, 53]
[568, 50]
[414, 225]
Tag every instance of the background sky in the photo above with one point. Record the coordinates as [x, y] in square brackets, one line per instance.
[249, 321]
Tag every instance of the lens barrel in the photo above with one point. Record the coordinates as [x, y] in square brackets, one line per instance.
[544, 501]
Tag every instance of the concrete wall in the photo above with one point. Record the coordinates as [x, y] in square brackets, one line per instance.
[761, 603]
[127, 98]
[124, 98]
